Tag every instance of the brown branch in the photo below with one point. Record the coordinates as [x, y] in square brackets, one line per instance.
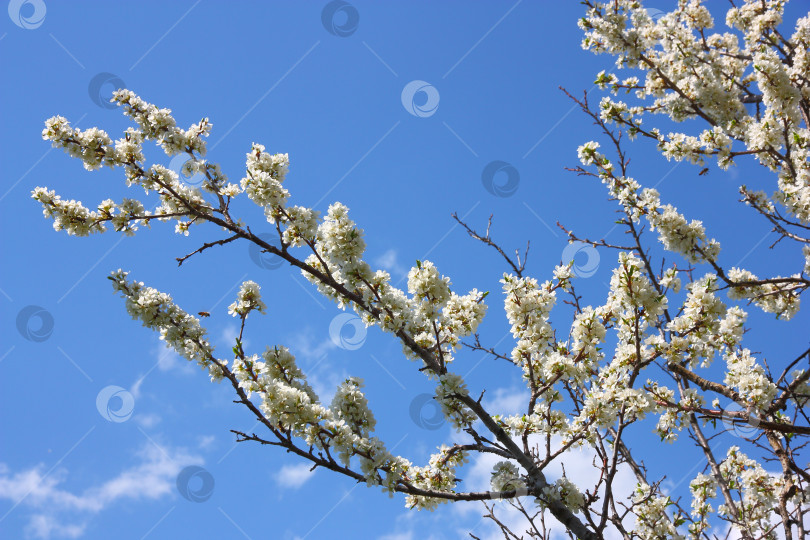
[181, 260]
[519, 267]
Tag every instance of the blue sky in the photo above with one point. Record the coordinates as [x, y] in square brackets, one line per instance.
[330, 95]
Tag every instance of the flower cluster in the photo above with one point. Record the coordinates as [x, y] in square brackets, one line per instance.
[301, 226]
[351, 406]
[156, 310]
[633, 305]
[652, 516]
[461, 316]
[691, 73]
[438, 476]
[670, 280]
[773, 297]
[95, 148]
[587, 335]
[565, 491]
[287, 399]
[704, 325]
[159, 124]
[263, 185]
[685, 73]
[434, 316]
[749, 379]
[671, 422]
[686, 239]
[289, 403]
[265, 174]
[339, 248]
[631, 291]
[676, 234]
[543, 419]
[505, 476]
[703, 488]
[70, 216]
[528, 306]
[430, 290]
[450, 388]
[248, 299]
[758, 492]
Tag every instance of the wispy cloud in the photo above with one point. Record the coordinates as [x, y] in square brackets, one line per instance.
[205, 441]
[507, 400]
[56, 512]
[313, 358]
[397, 536]
[169, 360]
[579, 468]
[294, 476]
[306, 346]
[390, 262]
[147, 420]
[43, 526]
[229, 334]
[165, 359]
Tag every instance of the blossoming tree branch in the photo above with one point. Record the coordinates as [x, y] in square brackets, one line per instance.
[746, 93]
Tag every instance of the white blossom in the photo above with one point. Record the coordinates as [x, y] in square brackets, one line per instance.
[248, 299]
[588, 380]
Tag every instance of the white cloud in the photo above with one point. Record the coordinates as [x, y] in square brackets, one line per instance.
[54, 511]
[166, 360]
[388, 261]
[135, 390]
[205, 441]
[170, 360]
[42, 526]
[578, 468]
[294, 476]
[147, 420]
[306, 347]
[398, 536]
[229, 335]
[313, 359]
[507, 401]
[413, 524]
